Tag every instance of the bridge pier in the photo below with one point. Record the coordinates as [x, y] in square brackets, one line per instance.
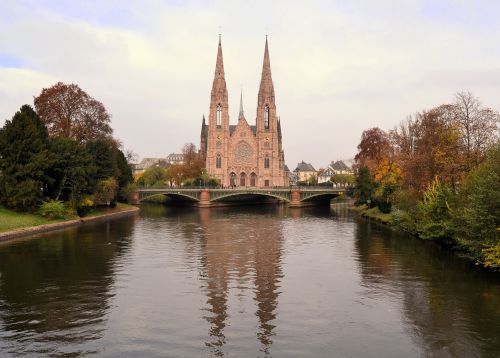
[204, 199]
[135, 198]
[295, 199]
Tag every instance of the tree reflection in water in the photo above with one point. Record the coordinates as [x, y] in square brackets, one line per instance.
[440, 310]
[57, 300]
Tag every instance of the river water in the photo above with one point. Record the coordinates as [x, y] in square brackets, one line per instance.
[263, 281]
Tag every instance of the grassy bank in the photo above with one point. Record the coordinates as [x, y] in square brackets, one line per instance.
[374, 213]
[11, 220]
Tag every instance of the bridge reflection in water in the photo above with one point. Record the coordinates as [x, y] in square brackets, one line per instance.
[206, 197]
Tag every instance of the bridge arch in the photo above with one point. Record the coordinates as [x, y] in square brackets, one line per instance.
[250, 193]
[173, 195]
[319, 197]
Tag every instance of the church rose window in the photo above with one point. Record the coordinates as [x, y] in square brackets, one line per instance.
[243, 152]
[219, 115]
[266, 117]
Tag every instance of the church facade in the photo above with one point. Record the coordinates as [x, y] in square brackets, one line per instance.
[244, 155]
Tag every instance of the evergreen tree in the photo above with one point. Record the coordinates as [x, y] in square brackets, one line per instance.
[101, 152]
[364, 185]
[23, 160]
[71, 170]
[125, 173]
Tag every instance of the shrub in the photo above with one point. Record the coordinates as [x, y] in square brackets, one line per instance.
[212, 182]
[84, 206]
[434, 212]
[53, 209]
[404, 220]
[105, 191]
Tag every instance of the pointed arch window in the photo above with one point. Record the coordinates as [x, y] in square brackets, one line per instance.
[266, 117]
[218, 161]
[253, 179]
[266, 161]
[219, 116]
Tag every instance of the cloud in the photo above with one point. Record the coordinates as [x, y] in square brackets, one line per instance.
[338, 67]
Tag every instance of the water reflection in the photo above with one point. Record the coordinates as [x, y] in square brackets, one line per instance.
[55, 292]
[246, 282]
[247, 255]
[443, 296]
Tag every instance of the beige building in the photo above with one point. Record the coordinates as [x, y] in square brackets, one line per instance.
[304, 171]
[244, 155]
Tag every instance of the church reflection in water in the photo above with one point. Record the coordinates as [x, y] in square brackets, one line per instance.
[235, 260]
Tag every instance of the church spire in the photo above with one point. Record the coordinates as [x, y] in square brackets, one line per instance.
[266, 89]
[219, 89]
[241, 115]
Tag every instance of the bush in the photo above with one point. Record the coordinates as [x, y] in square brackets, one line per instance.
[84, 207]
[105, 191]
[434, 212]
[213, 182]
[404, 220]
[53, 209]
[126, 192]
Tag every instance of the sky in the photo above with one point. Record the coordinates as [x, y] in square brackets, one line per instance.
[339, 67]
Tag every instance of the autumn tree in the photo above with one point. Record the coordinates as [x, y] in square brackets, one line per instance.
[429, 145]
[193, 162]
[374, 146]
[70, 112]
[376, 154]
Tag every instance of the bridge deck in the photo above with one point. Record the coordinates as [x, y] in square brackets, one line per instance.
[295, 196]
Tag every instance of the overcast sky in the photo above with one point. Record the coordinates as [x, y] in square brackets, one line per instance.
[339, 67]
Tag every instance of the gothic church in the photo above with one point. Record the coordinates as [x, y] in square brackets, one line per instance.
[244, 155]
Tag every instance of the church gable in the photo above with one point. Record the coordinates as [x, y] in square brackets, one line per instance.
[242, 129]
[243, 145]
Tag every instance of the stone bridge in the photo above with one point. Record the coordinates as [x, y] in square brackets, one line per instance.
[206, 197]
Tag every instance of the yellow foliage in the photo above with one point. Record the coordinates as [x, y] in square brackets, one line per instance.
[387, 172]
[492, 256]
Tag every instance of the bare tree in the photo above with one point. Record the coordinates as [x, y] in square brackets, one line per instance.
[131, 156]
[478, 126]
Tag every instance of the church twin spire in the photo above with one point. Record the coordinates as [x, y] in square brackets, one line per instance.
[219, 87]
[266, 88]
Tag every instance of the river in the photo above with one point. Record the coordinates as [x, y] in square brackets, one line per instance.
[263, 281]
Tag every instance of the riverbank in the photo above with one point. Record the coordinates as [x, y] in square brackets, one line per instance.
[373, 213]
[17, 225]
[485, 255]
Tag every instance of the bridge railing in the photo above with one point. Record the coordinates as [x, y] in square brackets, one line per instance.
[197, 188]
